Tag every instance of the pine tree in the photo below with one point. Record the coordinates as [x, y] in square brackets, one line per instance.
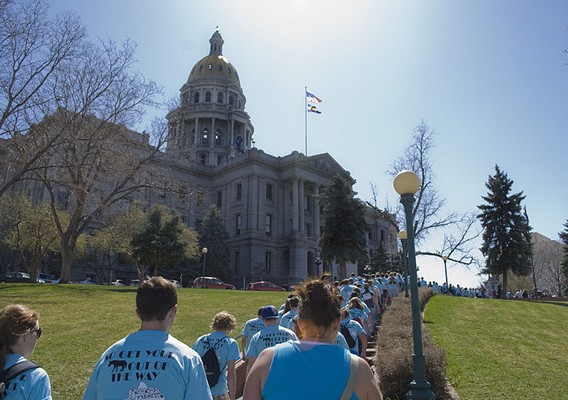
[564, 237]
[506, 232]
[214, 236]
[160, 243]
[344, 237]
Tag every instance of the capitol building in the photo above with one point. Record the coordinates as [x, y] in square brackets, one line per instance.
[269, 203]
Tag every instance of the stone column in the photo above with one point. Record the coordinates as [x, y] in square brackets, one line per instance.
[295, 205]
[301, 208]
[315, 205]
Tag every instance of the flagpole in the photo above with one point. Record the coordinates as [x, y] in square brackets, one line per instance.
[306, 120]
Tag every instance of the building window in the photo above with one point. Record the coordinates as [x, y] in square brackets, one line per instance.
[200, 198]
[239, 191]
[291, 198]
[268, 225]
[210, 67]
[218, 136]
[219, 158]
[205, 136]
[268, 191]
[198, 224]
[203, 158]
[62, 199]
[220, 98]
[208, 96]
[237, 261]
[219, 199]
[192, 137]
[307, 203]
[268, 262]
[238, 224]
[196, 97]
[182, 194]
[308, 229]
[231, 100]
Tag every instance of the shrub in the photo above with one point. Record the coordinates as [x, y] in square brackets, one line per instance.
[393, 358]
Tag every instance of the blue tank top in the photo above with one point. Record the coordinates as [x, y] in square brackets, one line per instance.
[307, 370]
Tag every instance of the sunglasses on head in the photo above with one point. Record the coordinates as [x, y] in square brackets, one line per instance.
[38, 331]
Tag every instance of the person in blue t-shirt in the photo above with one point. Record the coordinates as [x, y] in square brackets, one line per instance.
[150, 363]
[286, 319]
[19, 333]
[315, 367]
[271, 335]
[227, 351]
[251, 327]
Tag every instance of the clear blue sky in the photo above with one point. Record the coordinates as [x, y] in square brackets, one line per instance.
[489, 76]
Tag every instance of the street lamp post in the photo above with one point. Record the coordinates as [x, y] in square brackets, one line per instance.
[403, 237]
[406, 184]
[204, 252]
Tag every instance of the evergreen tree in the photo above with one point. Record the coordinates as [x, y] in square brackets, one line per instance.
[506, 232]
[214, 236]
[380, 261]
[564, 237]
[162, 242]
[344, 237]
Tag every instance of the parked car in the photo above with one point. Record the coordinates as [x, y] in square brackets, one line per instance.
[209, 282]
[135, 282]
[47, 278]
[176, 283]
[88, 281]
[265, 286]
[118, 282]
[11, 277]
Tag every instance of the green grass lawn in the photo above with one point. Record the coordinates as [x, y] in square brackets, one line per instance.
[502, 349]
[497, 349]
[80, 321]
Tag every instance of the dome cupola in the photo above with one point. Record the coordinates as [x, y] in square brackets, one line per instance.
[215, 65]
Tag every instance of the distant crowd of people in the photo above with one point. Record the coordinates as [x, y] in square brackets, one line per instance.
[288, 351]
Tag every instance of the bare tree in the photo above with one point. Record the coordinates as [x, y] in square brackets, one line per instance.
[98, 161]
[547, 263]
[427, 210]
[32, 48]
[457, 248]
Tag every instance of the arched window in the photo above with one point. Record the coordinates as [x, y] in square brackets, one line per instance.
[231, 100]
[208, 96]
[220, 98]
[196, 97]
[192, 137]
[240, 104]
[205, 136]
[218, 136]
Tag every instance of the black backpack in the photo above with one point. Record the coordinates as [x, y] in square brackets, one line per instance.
[10, 373]
[345, 332]
[211, 363]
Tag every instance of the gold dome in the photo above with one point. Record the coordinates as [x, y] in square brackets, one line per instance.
[215, 65]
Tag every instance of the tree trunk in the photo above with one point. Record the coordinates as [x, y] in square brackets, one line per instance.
[342, 271]
[505, 285]
[67, 253]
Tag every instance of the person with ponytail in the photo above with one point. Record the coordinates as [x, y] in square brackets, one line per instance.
[314, 367]
[19, 333]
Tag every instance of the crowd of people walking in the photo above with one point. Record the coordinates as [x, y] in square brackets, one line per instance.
[313, 346]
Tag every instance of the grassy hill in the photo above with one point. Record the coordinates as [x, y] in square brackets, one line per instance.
[502, 349]
[497, 349]
[80, 321]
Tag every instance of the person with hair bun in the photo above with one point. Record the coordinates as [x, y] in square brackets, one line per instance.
[19, 333]
[314, 367]
[227, 352]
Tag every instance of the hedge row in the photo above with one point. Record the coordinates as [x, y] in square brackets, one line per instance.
[393, 359]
